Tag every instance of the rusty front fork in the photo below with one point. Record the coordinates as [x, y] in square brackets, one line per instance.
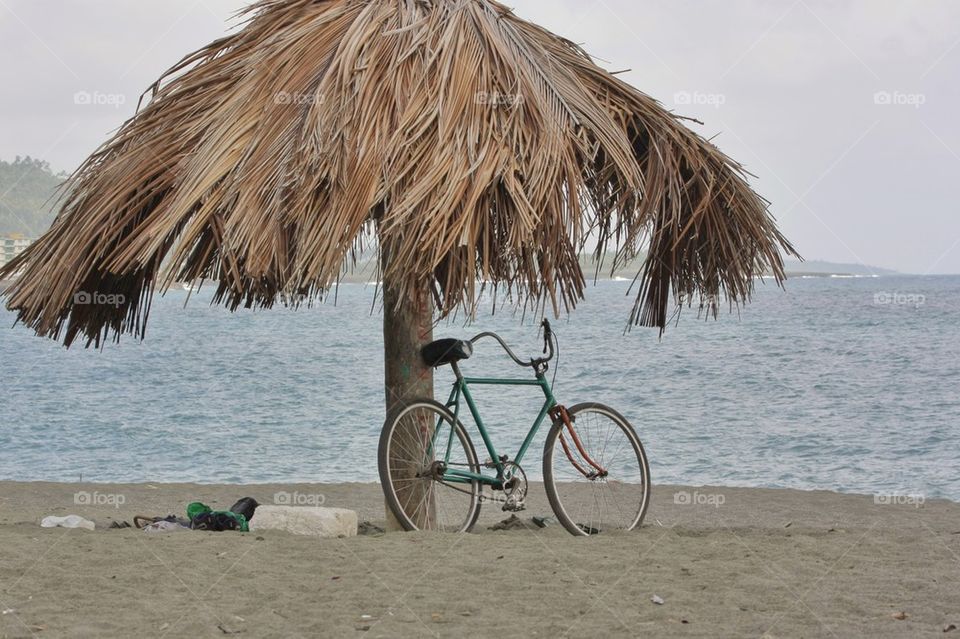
[559, 412]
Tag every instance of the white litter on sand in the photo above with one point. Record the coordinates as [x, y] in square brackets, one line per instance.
[70, 521]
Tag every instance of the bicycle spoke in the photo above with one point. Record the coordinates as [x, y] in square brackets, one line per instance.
[406, 502]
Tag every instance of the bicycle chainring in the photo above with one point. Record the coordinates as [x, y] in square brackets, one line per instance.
[514, 487]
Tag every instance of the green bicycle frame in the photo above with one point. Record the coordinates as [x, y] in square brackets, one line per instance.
[461, 389]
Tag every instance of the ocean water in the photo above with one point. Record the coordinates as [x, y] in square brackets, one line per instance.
[841, 384]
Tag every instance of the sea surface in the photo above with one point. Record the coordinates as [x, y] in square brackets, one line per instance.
[847, 384]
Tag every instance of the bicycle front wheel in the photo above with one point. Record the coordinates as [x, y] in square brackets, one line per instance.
[420, 443]
[595, 471]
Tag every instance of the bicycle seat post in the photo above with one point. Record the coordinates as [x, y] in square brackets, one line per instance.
[456, 371]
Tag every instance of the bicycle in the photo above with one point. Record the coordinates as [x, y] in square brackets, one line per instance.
[433, 479]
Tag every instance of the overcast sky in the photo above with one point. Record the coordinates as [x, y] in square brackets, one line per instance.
[846, 111]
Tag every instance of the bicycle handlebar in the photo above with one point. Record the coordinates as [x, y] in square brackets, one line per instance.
[533, 362]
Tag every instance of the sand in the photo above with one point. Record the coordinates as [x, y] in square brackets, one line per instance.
[775, 563]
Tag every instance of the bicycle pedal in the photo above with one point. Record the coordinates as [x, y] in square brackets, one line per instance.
[514, 508]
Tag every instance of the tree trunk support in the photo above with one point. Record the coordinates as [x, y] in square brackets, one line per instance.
[407, 326]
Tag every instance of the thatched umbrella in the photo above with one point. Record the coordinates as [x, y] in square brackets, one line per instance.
[463, 143]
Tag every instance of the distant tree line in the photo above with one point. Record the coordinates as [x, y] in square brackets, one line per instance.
[27, 188]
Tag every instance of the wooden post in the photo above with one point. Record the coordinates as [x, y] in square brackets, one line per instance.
[407, 326]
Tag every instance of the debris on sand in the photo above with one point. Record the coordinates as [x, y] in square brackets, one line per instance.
[513, 523]
[367, 528]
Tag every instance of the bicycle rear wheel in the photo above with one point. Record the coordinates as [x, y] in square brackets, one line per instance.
[585, 500]
[419, 441]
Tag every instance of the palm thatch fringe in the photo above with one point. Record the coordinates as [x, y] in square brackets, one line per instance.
[471, 144]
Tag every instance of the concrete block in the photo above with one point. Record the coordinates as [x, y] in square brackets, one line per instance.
[306, 520]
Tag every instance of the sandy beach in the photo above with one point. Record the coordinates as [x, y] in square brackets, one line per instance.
[725, 562]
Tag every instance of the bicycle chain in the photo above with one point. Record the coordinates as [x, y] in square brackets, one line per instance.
[483, 499]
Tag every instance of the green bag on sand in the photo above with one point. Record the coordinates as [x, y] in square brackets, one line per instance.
[196, 508]
[202, 517]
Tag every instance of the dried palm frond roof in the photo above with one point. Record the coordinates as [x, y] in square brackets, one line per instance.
[471, 144]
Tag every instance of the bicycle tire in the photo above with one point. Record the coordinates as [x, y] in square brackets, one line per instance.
[551, 484]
